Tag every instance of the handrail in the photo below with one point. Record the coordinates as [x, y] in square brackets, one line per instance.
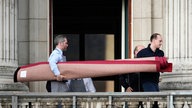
[52, 94]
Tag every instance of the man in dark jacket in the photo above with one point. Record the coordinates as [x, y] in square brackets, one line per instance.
[150, 81]
[131, 81]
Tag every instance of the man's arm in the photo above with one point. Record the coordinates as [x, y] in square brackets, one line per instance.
[53, 60]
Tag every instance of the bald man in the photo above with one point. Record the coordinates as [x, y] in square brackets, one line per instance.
[137, 49]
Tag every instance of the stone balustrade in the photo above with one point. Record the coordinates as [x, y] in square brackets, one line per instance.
[96, 100]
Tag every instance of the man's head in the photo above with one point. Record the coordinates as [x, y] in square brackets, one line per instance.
[156, 40]
[137, 49]
[61, 42]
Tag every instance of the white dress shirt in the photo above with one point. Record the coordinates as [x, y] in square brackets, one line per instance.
[55, 57]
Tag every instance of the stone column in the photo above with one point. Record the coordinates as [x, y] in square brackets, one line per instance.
[178, 36]
[8, 46]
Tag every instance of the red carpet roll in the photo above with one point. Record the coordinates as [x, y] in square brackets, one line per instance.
[83, 69]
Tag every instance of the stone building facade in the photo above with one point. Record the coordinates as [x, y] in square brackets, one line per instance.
[25, 37]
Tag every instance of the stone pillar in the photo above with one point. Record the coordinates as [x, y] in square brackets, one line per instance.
[38, 37]
[178, 25]
[8, 46]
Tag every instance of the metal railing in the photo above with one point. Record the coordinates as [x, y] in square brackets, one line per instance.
[96, 100]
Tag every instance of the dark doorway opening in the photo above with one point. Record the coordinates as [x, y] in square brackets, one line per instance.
[87, 21]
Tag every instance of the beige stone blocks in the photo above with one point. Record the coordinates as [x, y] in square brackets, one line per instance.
[147, 19]
[38, 30]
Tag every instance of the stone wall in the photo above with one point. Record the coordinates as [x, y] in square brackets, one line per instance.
[33, 35]
[147, 19]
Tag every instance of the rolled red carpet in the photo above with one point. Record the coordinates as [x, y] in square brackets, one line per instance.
[82, 69]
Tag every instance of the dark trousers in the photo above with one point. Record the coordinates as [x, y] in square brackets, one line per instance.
[48, 86]
[150, 87]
